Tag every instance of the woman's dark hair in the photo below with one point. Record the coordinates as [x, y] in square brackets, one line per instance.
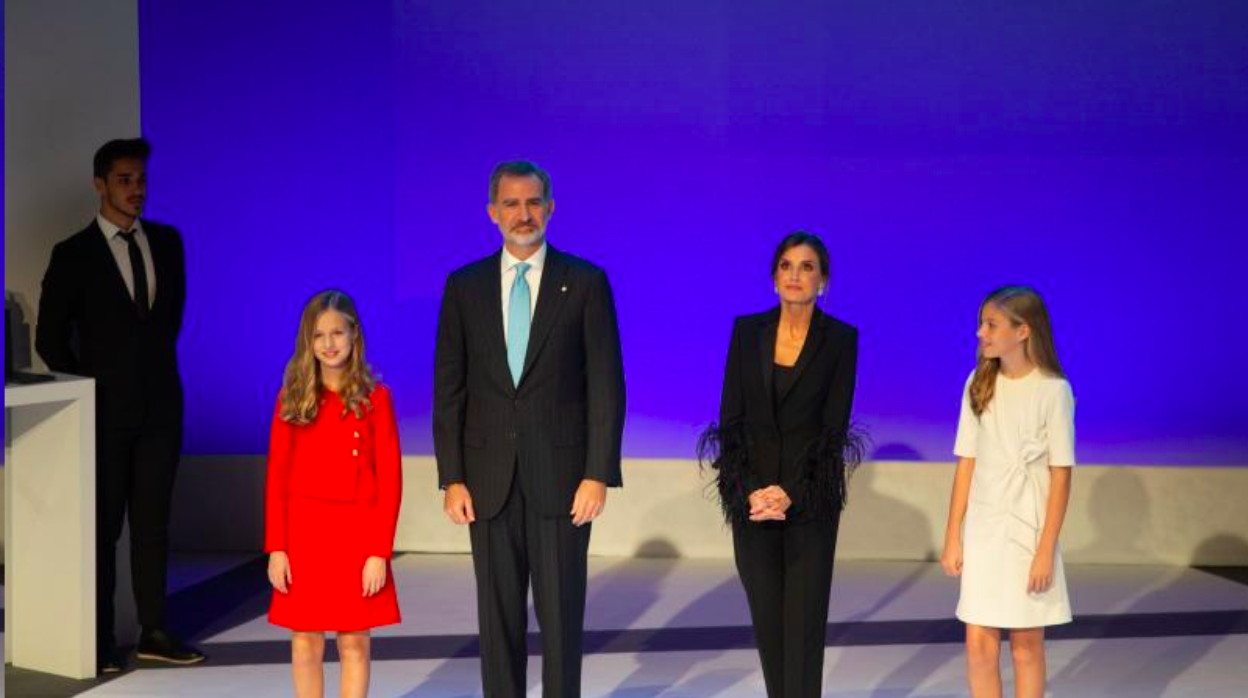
[795, 239]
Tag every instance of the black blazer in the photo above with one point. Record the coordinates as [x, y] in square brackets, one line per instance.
[799, 442]
[88, 325]
[565, 420]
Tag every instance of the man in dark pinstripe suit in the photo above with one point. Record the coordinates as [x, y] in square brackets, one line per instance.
[527, 420]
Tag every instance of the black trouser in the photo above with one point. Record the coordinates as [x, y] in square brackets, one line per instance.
[506, 549]
[135, 470]
[786, 569]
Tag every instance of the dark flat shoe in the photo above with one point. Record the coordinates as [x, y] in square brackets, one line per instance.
[160, 646]
[110, 662]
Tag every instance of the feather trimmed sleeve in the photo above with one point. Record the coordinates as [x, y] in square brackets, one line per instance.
[724, 448]
[820, 484]
[825, 465]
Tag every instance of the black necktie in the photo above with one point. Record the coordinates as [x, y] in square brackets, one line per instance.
[139, 270]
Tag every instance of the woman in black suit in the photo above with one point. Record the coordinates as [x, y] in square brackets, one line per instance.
[783, 450]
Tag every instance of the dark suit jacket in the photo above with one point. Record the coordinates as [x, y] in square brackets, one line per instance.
[88, 325]
[565, 420]
[816, 408]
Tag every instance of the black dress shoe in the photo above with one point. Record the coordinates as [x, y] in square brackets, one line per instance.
[160, 646]
[110, 662]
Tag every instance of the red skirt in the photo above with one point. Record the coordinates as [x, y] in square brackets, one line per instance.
[325, 545]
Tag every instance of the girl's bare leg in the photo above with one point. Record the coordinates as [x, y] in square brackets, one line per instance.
[353, 652]
[983, 661]
[307, 663]
[1027, 649]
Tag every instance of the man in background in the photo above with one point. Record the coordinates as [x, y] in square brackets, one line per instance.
[111, 309]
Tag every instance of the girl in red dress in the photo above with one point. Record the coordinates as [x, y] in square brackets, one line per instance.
[332, 498]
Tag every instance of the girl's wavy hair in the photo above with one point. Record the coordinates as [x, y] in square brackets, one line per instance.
[1023, 306]
[302, 383]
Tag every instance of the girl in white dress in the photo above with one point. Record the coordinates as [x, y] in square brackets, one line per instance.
[1015, 449]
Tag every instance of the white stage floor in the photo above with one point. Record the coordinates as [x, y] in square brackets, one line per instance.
[668, 627]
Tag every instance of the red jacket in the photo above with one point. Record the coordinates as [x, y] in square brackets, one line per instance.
[341, 458]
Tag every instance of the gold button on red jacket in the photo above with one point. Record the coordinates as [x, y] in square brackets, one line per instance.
[337, 457]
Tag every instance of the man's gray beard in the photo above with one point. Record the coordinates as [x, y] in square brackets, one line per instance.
[525, 239]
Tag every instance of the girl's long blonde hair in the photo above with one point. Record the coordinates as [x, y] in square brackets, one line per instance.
[302, 383]
[1023, 306]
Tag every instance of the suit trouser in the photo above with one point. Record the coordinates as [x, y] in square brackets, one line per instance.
[135, 471]
[506, 549]
[786, 569]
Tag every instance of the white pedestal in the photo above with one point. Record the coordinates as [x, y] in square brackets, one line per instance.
[49, 527]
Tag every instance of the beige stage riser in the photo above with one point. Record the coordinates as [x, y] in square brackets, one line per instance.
[49, 523]
[897, 510]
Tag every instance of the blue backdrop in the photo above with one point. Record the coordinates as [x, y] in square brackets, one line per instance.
[1094, 150]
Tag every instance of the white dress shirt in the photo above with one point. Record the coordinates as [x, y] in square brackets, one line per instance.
[533, 276]
[121, 254]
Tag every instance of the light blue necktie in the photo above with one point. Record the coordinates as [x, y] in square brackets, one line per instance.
[518, 323]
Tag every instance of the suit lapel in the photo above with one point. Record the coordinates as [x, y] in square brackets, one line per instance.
[810, 349]
[767, 358]
[550, 299]
[156, 243]
[490, 287]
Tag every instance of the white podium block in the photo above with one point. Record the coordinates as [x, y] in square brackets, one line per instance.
[49, 527]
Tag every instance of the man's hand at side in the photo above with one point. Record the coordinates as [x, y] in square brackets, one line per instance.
[457, 504]
[590, 500]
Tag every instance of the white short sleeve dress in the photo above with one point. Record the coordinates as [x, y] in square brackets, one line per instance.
[1028, 427]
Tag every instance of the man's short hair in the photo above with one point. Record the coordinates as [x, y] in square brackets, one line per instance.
[518, 168]
[120, 149]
